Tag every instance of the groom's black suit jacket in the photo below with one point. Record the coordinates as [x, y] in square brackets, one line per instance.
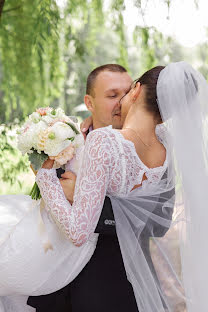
[102, 286]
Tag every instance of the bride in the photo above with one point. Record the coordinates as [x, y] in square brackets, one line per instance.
[138, 168]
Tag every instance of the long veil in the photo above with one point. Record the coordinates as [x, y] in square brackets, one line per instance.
[163, 227]
[183, 103]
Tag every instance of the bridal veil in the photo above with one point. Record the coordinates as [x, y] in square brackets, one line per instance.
[163, 227]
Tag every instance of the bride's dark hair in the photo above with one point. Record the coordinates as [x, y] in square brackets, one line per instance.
[149, 80]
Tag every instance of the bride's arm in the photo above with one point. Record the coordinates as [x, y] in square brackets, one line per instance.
[78, 221]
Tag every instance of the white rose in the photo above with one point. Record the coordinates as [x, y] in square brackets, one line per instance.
[35, 117]
[62, 131]
[24, 143]
[35, 130]
[29, 137]
[78, 141]
[54, 147]
[56, 138]
[47, 119]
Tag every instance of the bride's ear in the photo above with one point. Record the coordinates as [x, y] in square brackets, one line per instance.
[136, 91]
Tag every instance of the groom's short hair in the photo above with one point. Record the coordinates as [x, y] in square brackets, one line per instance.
[93, 75]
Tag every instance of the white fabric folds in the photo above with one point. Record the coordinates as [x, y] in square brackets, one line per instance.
[163, 228]
[183, 102]
[147, 229]
[25, 267]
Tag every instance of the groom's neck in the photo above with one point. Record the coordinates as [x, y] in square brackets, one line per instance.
[97, 124]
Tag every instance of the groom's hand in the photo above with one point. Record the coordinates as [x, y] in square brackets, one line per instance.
[68, 180]
[85, 125]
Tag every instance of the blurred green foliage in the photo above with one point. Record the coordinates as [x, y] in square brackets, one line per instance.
[47, 49]
[29, 56]
[12, 163]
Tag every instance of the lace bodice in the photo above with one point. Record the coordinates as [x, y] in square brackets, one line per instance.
[110, 166]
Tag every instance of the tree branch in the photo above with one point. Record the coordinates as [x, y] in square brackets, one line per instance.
[12, 9]
[1, 6]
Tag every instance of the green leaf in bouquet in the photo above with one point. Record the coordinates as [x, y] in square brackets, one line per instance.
[37, 159]
[73, 127]
[53, 112]
[71, 139]
[35, 192]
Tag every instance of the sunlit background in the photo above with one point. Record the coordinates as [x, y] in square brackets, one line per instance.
[184, 20]
[47, 49]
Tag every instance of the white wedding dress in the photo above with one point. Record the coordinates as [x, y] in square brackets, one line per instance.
[110, 166]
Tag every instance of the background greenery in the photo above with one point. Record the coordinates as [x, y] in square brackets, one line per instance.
[47, 49]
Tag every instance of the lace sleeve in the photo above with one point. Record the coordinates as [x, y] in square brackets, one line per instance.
[78, 221]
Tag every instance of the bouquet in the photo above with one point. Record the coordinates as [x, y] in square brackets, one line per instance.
[49, 133]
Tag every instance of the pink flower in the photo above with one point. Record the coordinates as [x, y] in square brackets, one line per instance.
[63, 157]
[42, 110]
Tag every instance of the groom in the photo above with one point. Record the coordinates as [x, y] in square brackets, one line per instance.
[102, 286]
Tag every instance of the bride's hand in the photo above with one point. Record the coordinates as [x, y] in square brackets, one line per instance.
[68, 181]
[48, 164]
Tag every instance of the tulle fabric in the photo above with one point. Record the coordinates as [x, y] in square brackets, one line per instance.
[147, 224]
[183, 102]
[163, 228]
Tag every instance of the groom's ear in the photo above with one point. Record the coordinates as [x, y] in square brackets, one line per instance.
[89, 102]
